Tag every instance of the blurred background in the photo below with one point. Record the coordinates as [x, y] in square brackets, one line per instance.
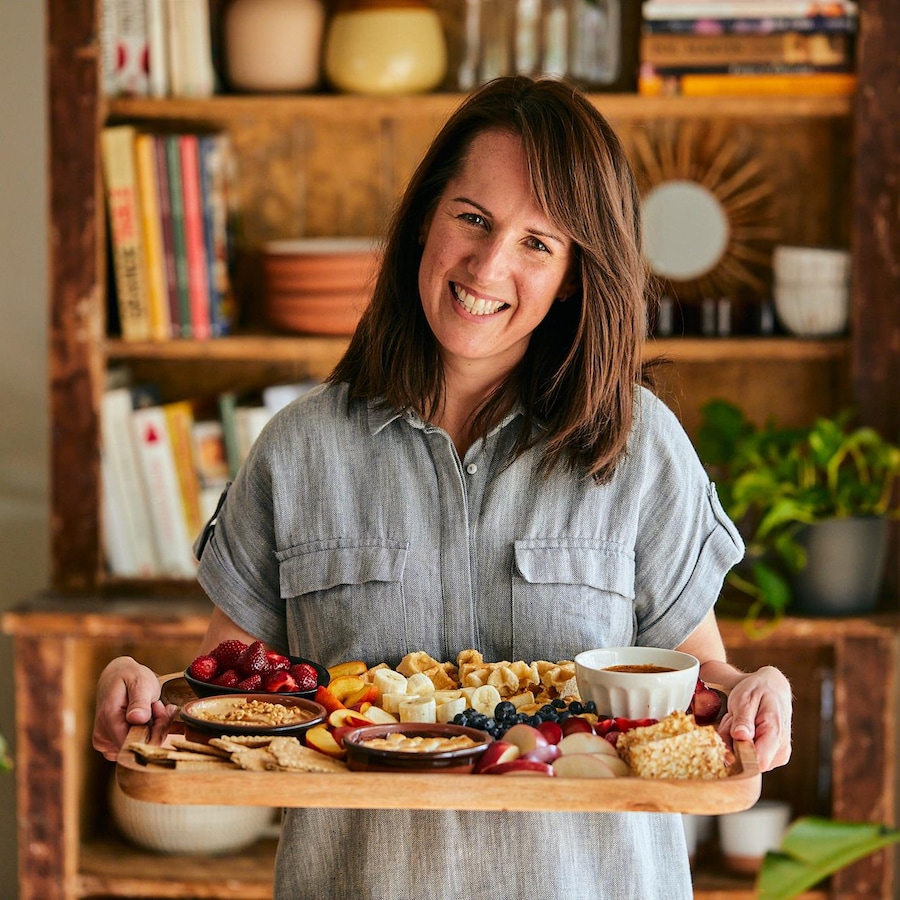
[23, 364]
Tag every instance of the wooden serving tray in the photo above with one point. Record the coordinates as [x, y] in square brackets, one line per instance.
[375, 790]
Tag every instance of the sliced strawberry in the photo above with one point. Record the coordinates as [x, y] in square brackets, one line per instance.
[228, 653]
[612, 736]
[204, 668]
[306, 676]
[250, 683]
[602, 726]
[228, 678]
[279, 682]
[254, 659]
[277, 661]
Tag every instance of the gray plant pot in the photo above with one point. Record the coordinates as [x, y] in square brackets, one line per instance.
[845, 566]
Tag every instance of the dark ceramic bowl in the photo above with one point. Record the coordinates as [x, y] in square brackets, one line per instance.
[362, 758]
[205, 689]
[202, 729]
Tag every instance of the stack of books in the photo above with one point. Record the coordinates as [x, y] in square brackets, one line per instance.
[165, 466]
[169, 203]
[156, 48]
[706, 47]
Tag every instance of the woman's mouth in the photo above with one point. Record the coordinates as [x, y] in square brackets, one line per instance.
[476, 306]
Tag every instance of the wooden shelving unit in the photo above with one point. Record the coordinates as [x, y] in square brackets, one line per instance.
[318, 165]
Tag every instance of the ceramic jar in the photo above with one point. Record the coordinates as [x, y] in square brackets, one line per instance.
[385, 47]
[273, 45]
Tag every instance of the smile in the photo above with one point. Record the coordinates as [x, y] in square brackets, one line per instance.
[476, 306]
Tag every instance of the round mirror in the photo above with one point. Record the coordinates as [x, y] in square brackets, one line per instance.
[685, 230]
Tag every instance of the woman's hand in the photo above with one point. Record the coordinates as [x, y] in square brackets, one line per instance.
[760, 710]
[127, 694]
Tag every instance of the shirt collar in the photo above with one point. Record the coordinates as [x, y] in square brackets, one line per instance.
[381, 415]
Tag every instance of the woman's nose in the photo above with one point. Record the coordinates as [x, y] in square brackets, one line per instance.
[489, 261]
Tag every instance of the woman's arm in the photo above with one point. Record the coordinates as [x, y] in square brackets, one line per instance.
[759, 703]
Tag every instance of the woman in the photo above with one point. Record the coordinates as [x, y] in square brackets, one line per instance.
[483, 470]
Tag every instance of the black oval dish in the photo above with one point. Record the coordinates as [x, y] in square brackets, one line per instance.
[205, 689]
[201, 730]
[361, 758]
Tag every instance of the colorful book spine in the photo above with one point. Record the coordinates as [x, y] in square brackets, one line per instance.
[131, 49]
[732, 49]
[746, 9]
[194, 239]
[176, 204]
[123, 203]
[160, 474]
[165, 215]
[157, 48]
[216, 187]
[844, 24]
[744, 68]
[154, 249]
[180, 421]
[836, 84]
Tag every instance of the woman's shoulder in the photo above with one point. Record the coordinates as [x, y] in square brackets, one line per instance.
[657, 429]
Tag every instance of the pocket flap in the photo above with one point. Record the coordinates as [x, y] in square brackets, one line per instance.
[321, 568]
[598, 564]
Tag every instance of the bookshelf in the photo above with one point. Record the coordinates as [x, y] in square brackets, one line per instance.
[833, 160]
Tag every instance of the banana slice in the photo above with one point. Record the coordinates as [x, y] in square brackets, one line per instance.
[419, 683]
[485, 699]
[418, 709]
[447, 710]
[391, 702]
[387, 681]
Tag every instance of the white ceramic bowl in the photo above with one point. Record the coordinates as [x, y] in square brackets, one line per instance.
[641, 694]
[812, 309]
[810, 264]
[188, 828]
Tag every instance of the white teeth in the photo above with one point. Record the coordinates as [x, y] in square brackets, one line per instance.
[477, 306]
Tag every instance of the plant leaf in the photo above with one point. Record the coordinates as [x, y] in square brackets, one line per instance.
[814, 848]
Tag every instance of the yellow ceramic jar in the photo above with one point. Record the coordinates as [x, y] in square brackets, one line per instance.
[385, 47]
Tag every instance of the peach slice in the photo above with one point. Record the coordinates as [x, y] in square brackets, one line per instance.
[339, 717]
[350, 667]
[345, 686]
[366, 694]
[327, 699]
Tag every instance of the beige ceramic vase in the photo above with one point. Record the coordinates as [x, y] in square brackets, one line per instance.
[273, 45]
[385, 47]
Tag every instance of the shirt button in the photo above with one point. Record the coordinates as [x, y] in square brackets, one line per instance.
[471, 468]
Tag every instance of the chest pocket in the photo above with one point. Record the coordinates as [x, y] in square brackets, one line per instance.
[569, 596]
[346, 599]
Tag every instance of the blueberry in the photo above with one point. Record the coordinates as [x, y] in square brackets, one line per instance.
[558, 703]
[503, 709]
[576, 708]
[547, 712]
[533, 721]
[590, 707]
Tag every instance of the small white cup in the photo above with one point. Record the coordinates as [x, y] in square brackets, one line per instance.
[745, 837]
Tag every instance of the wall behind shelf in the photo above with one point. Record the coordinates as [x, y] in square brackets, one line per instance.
[23, 358]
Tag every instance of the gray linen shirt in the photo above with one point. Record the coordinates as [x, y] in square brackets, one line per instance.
[357, 532]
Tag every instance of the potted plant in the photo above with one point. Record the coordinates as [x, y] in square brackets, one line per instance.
[828, 488]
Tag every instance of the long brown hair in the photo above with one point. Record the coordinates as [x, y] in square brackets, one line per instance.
[577, 378]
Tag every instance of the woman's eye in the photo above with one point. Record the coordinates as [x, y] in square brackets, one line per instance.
[474, 219]
[535, 244]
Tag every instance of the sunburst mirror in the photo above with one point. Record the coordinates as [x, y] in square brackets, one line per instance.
[706, 204]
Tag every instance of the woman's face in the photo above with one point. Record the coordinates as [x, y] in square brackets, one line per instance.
[492, 263]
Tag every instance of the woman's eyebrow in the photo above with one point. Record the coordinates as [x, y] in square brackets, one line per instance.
[535, 232]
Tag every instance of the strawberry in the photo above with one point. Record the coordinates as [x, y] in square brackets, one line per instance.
[250, 683]
[254, 660]
[276, 661]
[306, 676]
[228, 653]
[279, 681]
[204, 668]
[228, 678]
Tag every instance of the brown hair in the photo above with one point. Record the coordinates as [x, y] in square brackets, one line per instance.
[578, 375]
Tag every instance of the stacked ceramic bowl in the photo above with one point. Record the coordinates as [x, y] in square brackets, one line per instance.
[318, 285]
[811, 290]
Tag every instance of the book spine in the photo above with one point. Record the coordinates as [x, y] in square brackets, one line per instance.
[837, 84]
[161, 483]
[123, 204]
[785, 47]
[180, 421]
[176, 206]
[154, 251]
[126, 488]
[175, 28]
[194, 238]
[131, 49]
[210, 454]
[200, 76]
[228, 417]
[744, 68]
[165, 216]
[109, 37]
[738, 9]
[762, 25]
[157, 48]
[214, 181]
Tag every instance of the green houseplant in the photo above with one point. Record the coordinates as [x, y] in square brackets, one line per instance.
[775, 482]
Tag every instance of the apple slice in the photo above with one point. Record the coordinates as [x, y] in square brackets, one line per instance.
[497, 752]
[520, 767]
[320, 738]
[339, 717]
[586, 742]
[525, 737]
[583, 765]
[575, 723]
[543, 754]
[380, 716]
[552, 731]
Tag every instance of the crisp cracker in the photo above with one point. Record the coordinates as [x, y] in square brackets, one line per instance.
[255, 759]
[182, 743]
[290, 754]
